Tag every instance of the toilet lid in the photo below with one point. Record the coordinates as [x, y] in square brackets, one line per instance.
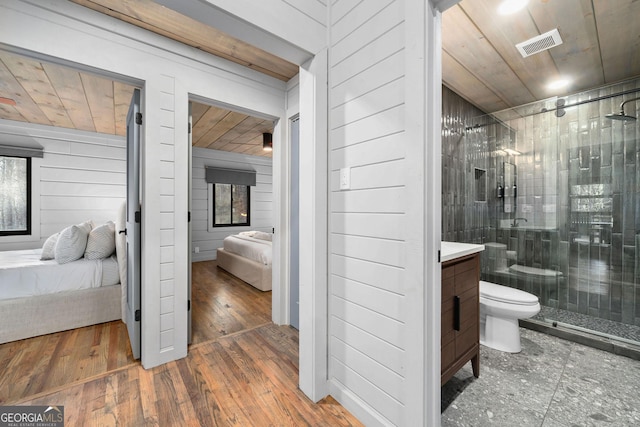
[506, 294]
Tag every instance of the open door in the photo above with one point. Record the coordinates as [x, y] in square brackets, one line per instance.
[133, 230]
[294, 227]
[189, 236]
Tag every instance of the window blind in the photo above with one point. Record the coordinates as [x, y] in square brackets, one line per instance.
[229, 176]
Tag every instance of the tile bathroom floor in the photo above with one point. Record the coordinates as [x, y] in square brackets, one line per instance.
[551, 383]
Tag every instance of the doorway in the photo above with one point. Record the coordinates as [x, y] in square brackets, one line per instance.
[226, 144]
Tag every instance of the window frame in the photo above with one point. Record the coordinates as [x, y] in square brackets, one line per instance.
[212, 207]
[29, 229]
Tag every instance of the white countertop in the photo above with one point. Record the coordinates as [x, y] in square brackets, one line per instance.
[453, 250]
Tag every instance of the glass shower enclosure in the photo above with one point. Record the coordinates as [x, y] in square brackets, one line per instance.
[561, 200]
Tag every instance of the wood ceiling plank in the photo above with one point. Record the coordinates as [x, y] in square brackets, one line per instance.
[578, 57]
[99, 92]
[9, 112]
[197, 111]
[164, 21]
[503, 33]
[465, 84]
[229, 121]
[122, 94]
[250, 128]
[12, 89]
[68, 86]
[207, 121]
[32, 77]
[619, 36]
[258, 151]
[465, 43]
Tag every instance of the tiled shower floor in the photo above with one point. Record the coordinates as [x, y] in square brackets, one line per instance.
[609, 327]
[550, 383]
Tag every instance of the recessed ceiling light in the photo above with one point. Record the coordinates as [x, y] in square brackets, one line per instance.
[507, 7]
[560, 83]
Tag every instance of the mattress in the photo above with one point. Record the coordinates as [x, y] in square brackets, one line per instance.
[23, 274]
[255, 249]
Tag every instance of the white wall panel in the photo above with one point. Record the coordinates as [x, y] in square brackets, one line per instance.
[379, 350]
[261, 199]
[386, 122]
[74, 183]
[375, 239]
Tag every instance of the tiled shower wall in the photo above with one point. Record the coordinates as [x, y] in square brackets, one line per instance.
[463, 219]
[577, 240]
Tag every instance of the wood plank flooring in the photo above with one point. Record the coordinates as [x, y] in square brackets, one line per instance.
[223, 304]
[241, 369]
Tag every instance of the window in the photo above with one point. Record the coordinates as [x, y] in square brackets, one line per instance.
[15, 196]
[231, 205]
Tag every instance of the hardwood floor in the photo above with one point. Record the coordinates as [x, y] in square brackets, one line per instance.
[223, 304]
[241, 369]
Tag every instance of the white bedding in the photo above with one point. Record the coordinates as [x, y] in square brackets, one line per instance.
[256, 249]
[23, 274]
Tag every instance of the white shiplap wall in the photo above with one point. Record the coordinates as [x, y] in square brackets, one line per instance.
[261, 198]
[82, 176]
[168, 72]
[368, 227]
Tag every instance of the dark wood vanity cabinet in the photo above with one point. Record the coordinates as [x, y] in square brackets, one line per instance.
[460, 316]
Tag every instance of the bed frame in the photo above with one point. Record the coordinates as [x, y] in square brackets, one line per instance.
[28, 317]
[22, 318]
[254, 273]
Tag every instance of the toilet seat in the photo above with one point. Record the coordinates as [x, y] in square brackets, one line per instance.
[504, 294]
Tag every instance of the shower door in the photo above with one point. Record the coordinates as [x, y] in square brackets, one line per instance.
[599, 292]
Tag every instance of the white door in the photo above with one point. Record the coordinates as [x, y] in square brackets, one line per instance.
[189, 237]
[134, 123]
[294, 296]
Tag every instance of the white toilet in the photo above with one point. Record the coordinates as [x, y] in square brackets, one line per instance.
[500, 309]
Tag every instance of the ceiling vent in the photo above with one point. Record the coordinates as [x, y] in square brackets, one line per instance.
[539, 43]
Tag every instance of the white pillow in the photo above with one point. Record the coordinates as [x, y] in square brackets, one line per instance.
[87, 226]
[262, 235]
[71, 244]
[49, 247]
[101, 242]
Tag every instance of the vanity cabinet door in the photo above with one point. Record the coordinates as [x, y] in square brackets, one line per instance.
[460, 319]
[448, 336]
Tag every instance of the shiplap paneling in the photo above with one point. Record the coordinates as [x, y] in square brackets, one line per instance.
[167, 217]
[366, 243]
[261, 199]
[82, 176]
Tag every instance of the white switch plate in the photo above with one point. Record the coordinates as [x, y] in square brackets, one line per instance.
[345, 178]
[197, 249]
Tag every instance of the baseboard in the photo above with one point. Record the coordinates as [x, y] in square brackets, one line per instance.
[352, 403]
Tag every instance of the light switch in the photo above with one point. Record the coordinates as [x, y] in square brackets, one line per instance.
[345, 178]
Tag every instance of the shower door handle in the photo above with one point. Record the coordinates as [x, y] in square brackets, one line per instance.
[456, 313]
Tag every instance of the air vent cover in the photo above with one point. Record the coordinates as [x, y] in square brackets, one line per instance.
[539, 43]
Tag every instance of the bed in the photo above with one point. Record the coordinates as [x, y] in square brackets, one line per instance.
[247, 256]
[40, 297]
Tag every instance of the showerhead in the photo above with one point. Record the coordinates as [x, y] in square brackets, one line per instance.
[620, 116]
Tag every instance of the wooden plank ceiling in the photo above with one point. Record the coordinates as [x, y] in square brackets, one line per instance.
[169, 23]
[49, 94]
[601, 45]
[480, 62]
